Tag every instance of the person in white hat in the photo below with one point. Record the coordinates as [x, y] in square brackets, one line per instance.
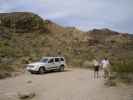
[105, 65]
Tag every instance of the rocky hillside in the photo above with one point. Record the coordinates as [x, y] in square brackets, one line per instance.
[20, 22]
[26, 37]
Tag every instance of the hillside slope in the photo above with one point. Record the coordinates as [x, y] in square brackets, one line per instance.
[26, 37]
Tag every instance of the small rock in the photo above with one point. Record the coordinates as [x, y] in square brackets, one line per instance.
[110, 83]
[26, 95]
[29, 81]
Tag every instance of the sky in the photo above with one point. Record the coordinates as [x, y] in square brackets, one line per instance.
[83, 14]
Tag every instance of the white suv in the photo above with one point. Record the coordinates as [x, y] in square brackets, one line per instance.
[47, 64]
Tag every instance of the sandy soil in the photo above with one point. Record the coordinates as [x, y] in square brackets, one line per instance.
[73, 84]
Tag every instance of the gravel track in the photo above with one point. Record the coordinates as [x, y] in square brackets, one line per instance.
[72, 84]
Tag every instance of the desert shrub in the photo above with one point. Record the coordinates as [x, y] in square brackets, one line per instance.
[123, 66]
[4, 74]
[87, 64]
[122, 70]
[6, 67]
[76, 62]
[7, 51]
[5, 70]
[110, 83]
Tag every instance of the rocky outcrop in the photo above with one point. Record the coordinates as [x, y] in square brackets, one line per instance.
[20, 21]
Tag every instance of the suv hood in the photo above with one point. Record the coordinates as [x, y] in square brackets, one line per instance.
[36, 64]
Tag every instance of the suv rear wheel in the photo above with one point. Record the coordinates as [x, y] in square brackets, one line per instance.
[61, 69]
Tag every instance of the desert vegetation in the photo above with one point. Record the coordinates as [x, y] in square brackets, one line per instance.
[26, 37]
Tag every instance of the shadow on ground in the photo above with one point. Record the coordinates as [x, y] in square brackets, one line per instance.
[53, 72]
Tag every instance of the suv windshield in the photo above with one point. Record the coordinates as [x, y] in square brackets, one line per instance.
[44, 60]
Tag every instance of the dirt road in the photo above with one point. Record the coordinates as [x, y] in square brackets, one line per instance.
[74, 84]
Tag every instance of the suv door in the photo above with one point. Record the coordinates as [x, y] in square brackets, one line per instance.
[57, 62]
[51, 64]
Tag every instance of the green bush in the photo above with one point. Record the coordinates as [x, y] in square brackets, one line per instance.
[123, 66]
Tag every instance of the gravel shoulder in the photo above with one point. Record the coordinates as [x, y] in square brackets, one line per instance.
[72, 84]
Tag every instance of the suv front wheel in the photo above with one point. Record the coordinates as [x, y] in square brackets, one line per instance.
[41, 70]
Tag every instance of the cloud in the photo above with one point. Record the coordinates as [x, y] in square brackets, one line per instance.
[85, 14]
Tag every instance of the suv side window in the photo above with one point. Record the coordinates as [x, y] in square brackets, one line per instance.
[57, 59]
[51, 61]
[62, 59]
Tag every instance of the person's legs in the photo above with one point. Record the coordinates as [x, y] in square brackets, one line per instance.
[98, 68]
[106, 73]
[96, 72]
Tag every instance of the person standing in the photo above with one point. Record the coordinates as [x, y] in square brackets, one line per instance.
[105, 65]
[96, 68]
